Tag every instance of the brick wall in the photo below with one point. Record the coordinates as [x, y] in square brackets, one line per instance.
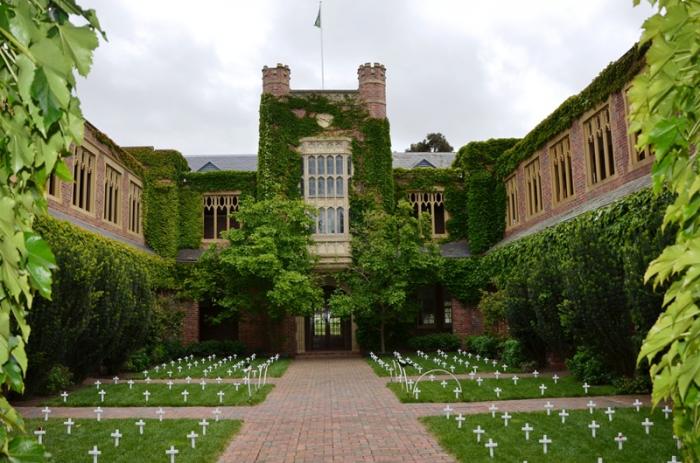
[260, 334]
[625, 170]
[466, 321]
[103, 154]
[190, 324]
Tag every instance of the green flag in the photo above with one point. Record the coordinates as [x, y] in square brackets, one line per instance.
[317, 23]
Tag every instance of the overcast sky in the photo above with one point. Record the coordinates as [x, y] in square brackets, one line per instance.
[187, 75]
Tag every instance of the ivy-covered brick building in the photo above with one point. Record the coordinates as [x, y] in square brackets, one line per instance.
[332, 148]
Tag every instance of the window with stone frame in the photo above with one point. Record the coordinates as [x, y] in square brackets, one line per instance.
[84, 180]
[112, 195]
[433, 204]
[135, 208]
[562, 172]
[53, 187]
[598, 146]
[637, 157]
[325, 180]
[533, 185]
[512, 218]
[218, 210]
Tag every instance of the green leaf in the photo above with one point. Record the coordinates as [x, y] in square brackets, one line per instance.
[25, 449]
[46, 99]
[78, 43]
[63, 172]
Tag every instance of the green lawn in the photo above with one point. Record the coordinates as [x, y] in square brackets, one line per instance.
[571, 442]
[120, 395]
[527, 388]
[429, 364]
[275, 370]
[151, 446]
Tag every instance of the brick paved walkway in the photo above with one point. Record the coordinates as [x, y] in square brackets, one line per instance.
[333, 411]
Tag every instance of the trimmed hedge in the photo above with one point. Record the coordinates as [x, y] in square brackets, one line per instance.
[447, 342]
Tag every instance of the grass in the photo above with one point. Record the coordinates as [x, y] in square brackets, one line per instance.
[527, 388]
[119, 395]
[429, 365]
[157, 437]
[571, 442]
[275, 370]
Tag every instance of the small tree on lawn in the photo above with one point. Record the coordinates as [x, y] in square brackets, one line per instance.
[267, 267]
[392, 254]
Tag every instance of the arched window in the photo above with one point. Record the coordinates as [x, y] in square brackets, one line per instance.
[331, 220]
[321, 220]
[321, 165]
[330, 187]
[338, 165]
[341, 220]
[339, 187]
[321, 187]
[329, 165]
[312, 187]
[312, 165]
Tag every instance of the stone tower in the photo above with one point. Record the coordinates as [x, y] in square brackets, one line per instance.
[276, 80]
[372, 88]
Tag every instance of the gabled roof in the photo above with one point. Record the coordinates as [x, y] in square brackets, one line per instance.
[208, 163]
[424, 160]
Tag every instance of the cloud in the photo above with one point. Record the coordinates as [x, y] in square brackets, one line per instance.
[187, 77]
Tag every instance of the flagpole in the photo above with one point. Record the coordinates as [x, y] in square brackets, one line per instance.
[323, 77]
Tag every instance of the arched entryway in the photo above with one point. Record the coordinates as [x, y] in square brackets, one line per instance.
[324, 331]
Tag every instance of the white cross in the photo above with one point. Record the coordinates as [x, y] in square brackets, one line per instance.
[498, 392]
[431, 378]
[667, 411]
[416, 392]
[678, 442]
[115, 380]
[610, 412]
[593, 426]
[527, 429]
[170, 385]
[171, 452]
[545, 441]
[471, 375]
[515, 379]
[94, 453]
[170, 373]
[236, 385]
[217, 414]
[218, 380]
[39, 433]
[479, 380]
[459, 420]
[179, 368]
[647, 425]
[98, 412]
[160, 413]
[491, 445]
[148, 380]
[555, 378]
[203, 384]
[98, 383]
[188, 379]
[636, 404]
[620, 439]
[46, 411]
[535, 374]
[204, 423]
[140, 424]
[591, 406]
[116, 435]
[542, 389]
[221, 396]
[505, 417]
[563, 414]
[130, 383]
[586, 387]
[447, 411]
[497, 374]
[452, 368]
[443, 383]
[184, 395]
[102, 395]
[493, 409]
[69, 424]
[146, 395]
[673, 460]
[192, 436]
[548, 406]
[64, 394]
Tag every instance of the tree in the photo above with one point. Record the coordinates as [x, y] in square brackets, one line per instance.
[39, 120]
[664, 101]
[432, 143]
[392, 254]
[267, 267]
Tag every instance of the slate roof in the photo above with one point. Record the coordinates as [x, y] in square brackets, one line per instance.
[249, 162]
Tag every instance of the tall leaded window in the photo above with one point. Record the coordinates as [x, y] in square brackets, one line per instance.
[54, 187]
[135, 193]
[432, 204]
[218, 210]
[533, 185]
[84, 180]
[112, 196]
[562, 177]
[511, 201]
[637, 157]
[598, 144]
[325, 179]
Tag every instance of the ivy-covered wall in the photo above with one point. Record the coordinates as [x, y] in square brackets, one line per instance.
[450, 180]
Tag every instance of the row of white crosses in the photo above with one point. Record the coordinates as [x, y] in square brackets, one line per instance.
[141, 424]
[619, 439]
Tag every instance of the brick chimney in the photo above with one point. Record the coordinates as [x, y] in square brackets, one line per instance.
[372, 88]
[276, 80]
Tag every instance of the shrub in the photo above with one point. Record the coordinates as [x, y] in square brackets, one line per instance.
[58, 378]
[447, 342]
[219, 348]
[493, 306]
[138, 361]
[586, 366]
[640, 384]
[484, 345]
[512, 353]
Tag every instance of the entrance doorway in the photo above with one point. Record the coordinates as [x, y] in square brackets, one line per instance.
[324, 331]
